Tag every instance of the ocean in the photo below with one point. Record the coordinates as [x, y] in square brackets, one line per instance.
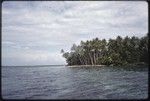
[61, 82]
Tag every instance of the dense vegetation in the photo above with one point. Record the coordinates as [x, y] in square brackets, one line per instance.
[119, 51]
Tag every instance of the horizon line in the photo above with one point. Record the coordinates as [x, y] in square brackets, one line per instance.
[33, 65]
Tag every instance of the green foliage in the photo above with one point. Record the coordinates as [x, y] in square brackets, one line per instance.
[119, 51]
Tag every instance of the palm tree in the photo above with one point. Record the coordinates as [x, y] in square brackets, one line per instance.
[117, 51]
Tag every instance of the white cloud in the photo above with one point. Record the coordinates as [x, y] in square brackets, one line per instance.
[40, 29]
[28, 56]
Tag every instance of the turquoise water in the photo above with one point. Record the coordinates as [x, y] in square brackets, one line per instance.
[60, 82]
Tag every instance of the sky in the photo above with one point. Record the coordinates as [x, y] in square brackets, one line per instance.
[34, 32]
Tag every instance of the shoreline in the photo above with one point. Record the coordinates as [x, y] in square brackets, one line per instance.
[86, 66]
[132, 64]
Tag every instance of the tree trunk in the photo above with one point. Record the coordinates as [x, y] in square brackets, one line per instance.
[83, 61]
[91, 58]
[94, 57]
[80, 59]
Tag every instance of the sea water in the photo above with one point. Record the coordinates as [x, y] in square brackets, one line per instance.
[61, 82]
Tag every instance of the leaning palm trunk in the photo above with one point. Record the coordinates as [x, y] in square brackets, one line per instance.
[80, 59]
[88, 60]
[83, 59]
[91, 58]
[94, 58]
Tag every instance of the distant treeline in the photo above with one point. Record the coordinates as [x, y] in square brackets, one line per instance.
[119, 51]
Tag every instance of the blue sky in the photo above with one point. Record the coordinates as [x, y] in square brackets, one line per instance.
[34, 32]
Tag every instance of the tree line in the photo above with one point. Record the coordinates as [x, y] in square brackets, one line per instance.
[119, 51]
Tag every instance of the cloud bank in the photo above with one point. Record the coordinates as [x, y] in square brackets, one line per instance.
[34, 32]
